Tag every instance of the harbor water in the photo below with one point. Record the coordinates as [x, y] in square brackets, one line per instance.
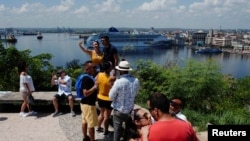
[64, 49]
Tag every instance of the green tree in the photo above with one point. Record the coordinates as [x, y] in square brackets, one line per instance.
[40, 68]
[242, 92]
[208, 95]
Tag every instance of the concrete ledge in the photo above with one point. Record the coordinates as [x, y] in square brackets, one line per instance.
[37, 95]
[11, 102]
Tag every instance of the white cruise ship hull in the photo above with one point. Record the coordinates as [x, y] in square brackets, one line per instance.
[131, 41]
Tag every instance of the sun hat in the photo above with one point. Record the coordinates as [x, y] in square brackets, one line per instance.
[124, 66]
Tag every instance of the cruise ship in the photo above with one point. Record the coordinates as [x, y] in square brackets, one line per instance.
[130, 40]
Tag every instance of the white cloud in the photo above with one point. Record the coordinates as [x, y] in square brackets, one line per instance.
[218, 7]
[65, 5]
[107, 6]
[156, 17]
[81, 10]
[156, 5]
[2, 7]
[180, 9]
[127, 13]
[22, 9]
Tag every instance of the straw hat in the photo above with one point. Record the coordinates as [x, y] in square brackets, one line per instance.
[124, 66]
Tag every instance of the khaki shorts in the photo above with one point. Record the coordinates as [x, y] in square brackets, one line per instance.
[89, 115]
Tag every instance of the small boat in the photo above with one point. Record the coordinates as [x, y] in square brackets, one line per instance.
[208, 50]
[39, 36]
[162, 44]
[11, 39]
[29, 33]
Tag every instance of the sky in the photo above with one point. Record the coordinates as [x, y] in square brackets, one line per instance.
[195, 14]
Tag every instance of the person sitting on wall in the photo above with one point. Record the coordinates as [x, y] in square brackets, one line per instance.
[64, 83]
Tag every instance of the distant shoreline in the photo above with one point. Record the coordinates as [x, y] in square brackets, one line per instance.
[242, 52]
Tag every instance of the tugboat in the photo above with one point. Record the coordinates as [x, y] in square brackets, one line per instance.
[39, 36]
[208, 50]
[11, 39]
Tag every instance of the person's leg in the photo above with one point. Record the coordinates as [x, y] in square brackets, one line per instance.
[71, 102]
[117, 124]
[24, 104]
[92, 133]
[31, 112]
[55, 103]
[100, 119]
[29, 107]
[84, 123]
[84, 129]
[107, 113]
[92, 120]
[128, 124]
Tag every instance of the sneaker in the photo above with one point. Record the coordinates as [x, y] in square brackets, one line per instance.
[108, 137]
[86, 138]
[56, 113]
[22, 114]
[73, 113]
[32, 113]
[99, 129]
[106, 133]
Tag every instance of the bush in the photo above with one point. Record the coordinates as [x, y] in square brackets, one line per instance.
[208, 95]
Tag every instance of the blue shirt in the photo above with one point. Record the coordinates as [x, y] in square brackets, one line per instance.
[123, 93]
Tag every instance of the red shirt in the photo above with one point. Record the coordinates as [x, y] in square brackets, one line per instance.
[172, 130]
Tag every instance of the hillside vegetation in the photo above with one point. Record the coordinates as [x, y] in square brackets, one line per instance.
[208, 95]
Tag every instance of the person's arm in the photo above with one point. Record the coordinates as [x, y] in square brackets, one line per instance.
[53, 78]
[112, 80]
[144, 132]
[86, 91]
[116, 63]
[27, 87]
[83, 48]
[116, 59]
[62, 81]
[96, 81]
[113, 91]
[89, 91]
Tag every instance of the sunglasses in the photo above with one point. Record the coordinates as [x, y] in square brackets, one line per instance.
[144, 116]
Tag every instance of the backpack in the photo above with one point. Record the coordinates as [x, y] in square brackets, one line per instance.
[78, 85]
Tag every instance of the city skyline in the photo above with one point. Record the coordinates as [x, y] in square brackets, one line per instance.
[198, 14]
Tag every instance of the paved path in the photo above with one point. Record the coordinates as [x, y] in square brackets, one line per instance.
[44, 127]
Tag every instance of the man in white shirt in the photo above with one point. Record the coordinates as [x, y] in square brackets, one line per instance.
[175, 109]
[123, 94]
[64, 83]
